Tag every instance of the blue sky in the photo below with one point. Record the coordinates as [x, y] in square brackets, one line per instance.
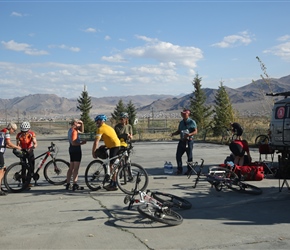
[121, 48]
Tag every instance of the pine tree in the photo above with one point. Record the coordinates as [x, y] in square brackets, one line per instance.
[200, 112]
[131, 110]
[224, 113]
[120, 107]
[84, 105]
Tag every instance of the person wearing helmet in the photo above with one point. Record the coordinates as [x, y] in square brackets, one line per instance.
[75, 152]
[237, 129]
[187, 129]
[111, 141]
[5, 142]
[26, 139]
[123, 129]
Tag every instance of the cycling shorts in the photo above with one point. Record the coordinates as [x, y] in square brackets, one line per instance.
[2, 163]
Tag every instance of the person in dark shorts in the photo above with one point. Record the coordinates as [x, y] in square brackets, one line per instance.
[75, 152]
[238, 149]
[237, 129]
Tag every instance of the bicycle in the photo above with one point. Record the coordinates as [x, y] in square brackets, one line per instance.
[18, 175]
[129, 174]
[227, 136]
[223, 177]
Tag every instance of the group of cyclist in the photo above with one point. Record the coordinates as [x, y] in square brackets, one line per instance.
[25, 139]
[114, 139]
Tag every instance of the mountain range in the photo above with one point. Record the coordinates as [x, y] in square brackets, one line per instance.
[249, 100]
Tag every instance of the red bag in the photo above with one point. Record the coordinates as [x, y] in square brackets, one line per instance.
[253, 172]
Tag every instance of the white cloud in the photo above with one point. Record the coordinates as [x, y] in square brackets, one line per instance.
[283, 38]
[241, 39]
[107, 38]
[162, 52]
[23, 47]
[14, 13]
[90, 30]
[282, 50]
[62, 46]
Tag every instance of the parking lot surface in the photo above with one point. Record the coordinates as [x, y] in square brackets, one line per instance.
[48, 217]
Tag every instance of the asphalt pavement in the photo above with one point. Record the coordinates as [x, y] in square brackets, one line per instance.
[48, 217]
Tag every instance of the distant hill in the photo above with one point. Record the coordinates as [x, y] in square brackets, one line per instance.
[248, 100]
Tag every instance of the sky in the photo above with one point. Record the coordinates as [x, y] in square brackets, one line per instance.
[124, 48]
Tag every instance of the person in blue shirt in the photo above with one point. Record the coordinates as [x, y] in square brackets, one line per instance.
[187, 129]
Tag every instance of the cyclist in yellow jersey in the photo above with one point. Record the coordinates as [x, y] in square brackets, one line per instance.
[112, 142]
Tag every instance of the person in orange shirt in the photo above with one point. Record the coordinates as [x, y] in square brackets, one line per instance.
[5, 142]
[75, 153]
[26, 139]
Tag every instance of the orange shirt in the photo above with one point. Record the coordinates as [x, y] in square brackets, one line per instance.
[26, 139]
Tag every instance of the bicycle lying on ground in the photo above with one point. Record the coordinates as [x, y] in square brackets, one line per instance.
[157, 206]
[223, 177]
[19, 174]
[129, 174]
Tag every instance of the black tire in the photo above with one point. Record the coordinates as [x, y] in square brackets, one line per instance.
[246, 188]
[55, 171]
[132, 178]
[165, 216]
[262, 139]
[95, 175]
[171, 200]
[16, 180]
[220, 177]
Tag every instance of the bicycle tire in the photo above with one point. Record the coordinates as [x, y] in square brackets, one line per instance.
[165, 216]
[55, 171]
[132, 178]
[95, 175]
[245, 188]
[171, 200]
[220, 177]
[14, 180]
[262, 139]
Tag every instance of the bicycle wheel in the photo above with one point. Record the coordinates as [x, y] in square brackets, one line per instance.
[95, 175]
[17, 178]
[132, 178]
[55, 171]
[165, 216]
[245, 188]
[171, 200]
[262, 139]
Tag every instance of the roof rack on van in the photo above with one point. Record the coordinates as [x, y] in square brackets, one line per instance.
[285, 94]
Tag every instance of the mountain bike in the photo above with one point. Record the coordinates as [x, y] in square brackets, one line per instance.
[19, 174]
[129, 174]
[222, 177]
[228, 136]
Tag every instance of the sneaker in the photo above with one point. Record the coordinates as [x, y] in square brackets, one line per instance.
[67, 186]
[112, 188]
[178, 172]
[77, 187]
[2, 193]
[187, 172]
[107, 186]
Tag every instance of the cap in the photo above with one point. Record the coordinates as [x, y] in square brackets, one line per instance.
[185, 111]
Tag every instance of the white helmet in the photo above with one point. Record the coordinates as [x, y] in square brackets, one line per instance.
[25, 126]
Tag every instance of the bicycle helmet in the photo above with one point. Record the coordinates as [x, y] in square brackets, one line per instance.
[124, 115]
[25, 126]
[101, 117]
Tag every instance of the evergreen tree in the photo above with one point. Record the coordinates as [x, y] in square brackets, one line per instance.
[120, 107]
[200, 112]
[131, 110]
[84, 105]
[224, 113]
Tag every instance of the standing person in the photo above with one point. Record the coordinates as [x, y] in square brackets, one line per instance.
[187, 129]
[5, 142]
[124, 130]
[75, 153]
[26, 139]
[112, 142]
[237, 129]
[239, 148]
